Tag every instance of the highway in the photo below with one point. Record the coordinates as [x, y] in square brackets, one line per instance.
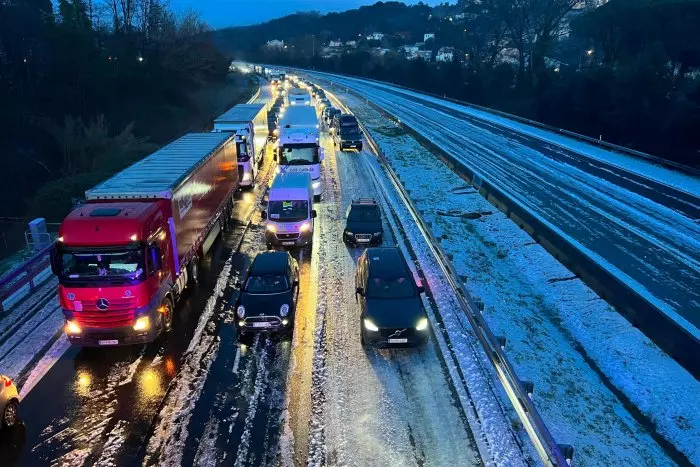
[644, 230]
[200, 397]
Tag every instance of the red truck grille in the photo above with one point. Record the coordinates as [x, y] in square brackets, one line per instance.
[104, 319]
[114, 304]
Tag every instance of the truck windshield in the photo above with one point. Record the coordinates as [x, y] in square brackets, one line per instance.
[301, 154]
[103, 265]
[288, 211]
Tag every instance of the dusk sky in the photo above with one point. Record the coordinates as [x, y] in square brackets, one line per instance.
[222, 13]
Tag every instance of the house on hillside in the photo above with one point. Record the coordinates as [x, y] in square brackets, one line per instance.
[409, 49]
[428, 35]
[352, 44]
[275, 44]
[426, 55]
[445, 54]
[375, 36]
[335, 44]
[509, 55]
[379, 51]
[328, 52]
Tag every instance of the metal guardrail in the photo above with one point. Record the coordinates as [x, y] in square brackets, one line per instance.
[14, 280]
[597, 141]
[550, 452]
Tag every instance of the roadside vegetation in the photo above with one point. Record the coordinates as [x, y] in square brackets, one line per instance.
[88, 87]
[627, 71]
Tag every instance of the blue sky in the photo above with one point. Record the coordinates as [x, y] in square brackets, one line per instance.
[222, 13]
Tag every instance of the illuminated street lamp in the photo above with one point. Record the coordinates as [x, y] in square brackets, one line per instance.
[140, 58]
[589, 52]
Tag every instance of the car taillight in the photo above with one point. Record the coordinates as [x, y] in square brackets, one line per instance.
[8, 382]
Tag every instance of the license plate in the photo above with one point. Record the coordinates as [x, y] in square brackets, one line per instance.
[398, 341]
[287, 243]
[362, 240]
[261, 324]
[108, 342]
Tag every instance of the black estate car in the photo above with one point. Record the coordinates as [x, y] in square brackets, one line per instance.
[363, 223]
[391, 310]
[269, 294]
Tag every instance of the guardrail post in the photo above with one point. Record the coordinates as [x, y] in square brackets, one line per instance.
[567, 451]
[501, 342]
[529, 387]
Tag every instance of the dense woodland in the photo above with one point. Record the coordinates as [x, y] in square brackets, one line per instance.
[87, 87]
[628, 71]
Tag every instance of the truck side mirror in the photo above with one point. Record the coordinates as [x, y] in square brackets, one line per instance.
[53, 257]
[313, 214]
[263, 215]
[321, 154]
[155, 253]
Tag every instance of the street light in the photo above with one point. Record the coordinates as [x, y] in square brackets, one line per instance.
[589, 52]
[140, 59]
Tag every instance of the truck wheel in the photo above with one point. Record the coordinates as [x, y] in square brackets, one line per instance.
[193, 272]
[317, 198]
[11, 415]
[166, 319]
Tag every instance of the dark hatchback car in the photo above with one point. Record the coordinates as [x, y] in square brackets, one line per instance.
[391, 310]
[329, 113]
[363, 223]
[268, 296]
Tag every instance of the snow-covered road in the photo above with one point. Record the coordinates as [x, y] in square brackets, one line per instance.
[605, 210]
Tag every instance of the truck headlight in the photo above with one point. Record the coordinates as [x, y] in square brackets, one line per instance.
[240, 311]
[284, 310]
[247, 176]
[422, 324]
[370, 326]
[142, 324]
[271, 228]
[72, 328]
[305, 227]
[316, 185]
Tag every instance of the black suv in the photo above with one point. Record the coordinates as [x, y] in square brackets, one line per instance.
[346, 132]
[363, 223]
[268, 296]
[391, 310]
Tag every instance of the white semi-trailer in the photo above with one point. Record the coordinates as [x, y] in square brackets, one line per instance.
[298, 147]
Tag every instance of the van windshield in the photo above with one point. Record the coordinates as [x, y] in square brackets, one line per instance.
[288, 211]
[298, 154]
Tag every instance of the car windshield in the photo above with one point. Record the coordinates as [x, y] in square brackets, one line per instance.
[298, 154]
[346, 121]
[395, 287]
[288, 211]
[364, 214]
[124, 264]
[349, 130]
[266, 284]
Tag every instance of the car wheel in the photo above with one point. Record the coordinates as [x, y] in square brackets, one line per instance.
[11, 415]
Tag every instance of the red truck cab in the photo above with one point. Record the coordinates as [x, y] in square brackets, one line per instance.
[124, 257]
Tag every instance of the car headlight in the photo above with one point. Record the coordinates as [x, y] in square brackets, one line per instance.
[315, 185]
[370, 326]
[422, 324]
[271, 228]
[277, 169]
[142, 324]
[72, 328]
[305, 227]
[284, 310]
[349, 234]
[377, 234]
[240, 311]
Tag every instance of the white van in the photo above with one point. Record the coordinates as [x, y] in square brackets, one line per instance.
[297, 96]
[290, 215]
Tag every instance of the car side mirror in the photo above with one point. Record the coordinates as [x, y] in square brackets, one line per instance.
[360, 291]
[239, 284]
[421, 289]
[263, 215]
[296, 283]
[321, 154]
[313, 214]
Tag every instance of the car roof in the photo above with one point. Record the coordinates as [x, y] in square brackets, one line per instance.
[269, 262]
[386, 262]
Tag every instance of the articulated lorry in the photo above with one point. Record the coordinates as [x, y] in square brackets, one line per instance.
[248, 122]
[124, 257]
[297, 96]
[298, 148]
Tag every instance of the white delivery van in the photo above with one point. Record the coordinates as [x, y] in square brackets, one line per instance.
[297, 96]
[290, 211]
[249, 124]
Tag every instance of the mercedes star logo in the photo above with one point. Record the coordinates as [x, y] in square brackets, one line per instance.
[397, 333]
[102, 303]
